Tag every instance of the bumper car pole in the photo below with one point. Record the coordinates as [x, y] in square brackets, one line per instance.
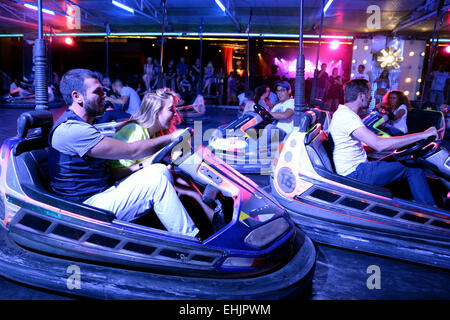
[300, 121]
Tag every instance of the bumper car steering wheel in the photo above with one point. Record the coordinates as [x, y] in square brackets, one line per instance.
[263, 112]
[413, 150]
[163, 154]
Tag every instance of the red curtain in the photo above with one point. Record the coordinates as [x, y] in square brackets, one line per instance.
[227, 56]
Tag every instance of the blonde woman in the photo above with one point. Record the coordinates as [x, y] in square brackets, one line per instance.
[156, 117]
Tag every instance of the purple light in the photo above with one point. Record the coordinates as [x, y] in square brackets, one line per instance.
[334, 45]
[447, 49]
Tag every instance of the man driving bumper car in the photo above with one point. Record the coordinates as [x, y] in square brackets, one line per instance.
[349, 134]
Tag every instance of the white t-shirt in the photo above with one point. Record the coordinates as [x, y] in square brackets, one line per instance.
[360, 76]
[348, 151]
[439, 80]
[288, 124]
[134, 102]
[400, 123]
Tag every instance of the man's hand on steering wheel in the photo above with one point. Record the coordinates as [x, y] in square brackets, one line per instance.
[177, 137]
[263, 112]
[418, 148]
[431, 131]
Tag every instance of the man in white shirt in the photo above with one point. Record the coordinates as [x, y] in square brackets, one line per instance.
[438, 85]
[283, 111]
[129, 98]
[360, 74]
[350, 159]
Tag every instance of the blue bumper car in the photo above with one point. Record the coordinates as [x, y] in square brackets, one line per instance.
[47, 241]
[250, 143]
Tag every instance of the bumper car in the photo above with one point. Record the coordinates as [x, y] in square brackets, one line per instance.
[47, 241]
[344, 212]
[249, 144]
[17, 100]
[192, 112]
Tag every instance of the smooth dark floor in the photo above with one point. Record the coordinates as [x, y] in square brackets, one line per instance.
[340, 274]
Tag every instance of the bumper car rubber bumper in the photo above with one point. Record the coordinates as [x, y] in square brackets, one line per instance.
[106, 282]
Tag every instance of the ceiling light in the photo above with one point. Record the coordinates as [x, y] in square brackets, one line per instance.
[334, 45]
[122, 6]
[327, 5]
[30, 6]
[221, 6]
[390, 59]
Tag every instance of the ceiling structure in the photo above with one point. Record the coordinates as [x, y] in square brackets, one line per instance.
[414, 18]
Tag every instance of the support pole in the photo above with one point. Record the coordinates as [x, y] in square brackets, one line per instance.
[108, 32]
[200, 75]
[300, 105]
[163, 27]
[433, 50]
[316, 71]
[40, 65]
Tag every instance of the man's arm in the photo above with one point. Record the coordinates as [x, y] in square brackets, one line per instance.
[379, 144]
[122, 100]
[114, 149]
[283, 115]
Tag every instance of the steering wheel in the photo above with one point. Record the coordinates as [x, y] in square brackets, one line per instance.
[386, 110]
[413, 150]
[263, 112]
[164, 152]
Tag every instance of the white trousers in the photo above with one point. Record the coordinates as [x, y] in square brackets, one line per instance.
[149, 187]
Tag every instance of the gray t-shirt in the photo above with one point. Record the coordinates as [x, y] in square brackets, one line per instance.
[134, 102]
[75, 137]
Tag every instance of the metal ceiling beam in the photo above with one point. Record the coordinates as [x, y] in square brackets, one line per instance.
[61, 12]
[26, 23]
[431, 9]
[229, 10]
[153, 15]
[145, 4]
[11, 11]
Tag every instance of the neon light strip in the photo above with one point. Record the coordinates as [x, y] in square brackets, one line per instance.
[206, 34]
[327, 5]
[441, 40]
[30, 6]
[122, 6]
[221, 6]
[11, 35]
[189, 34]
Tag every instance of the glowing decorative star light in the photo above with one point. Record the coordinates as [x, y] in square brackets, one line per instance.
[390, 58]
